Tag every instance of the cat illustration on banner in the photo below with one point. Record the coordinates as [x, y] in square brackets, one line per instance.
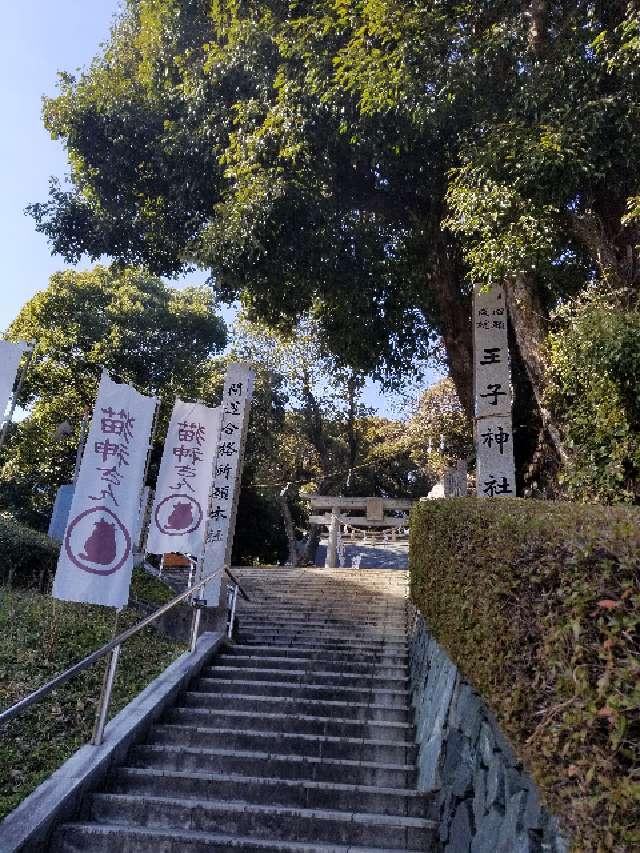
[177, 515]
[181, 518]
[97, 541]
[101, 547]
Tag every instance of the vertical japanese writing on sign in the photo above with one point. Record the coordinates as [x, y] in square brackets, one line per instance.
[227, 470]
[96, 558]
[179, 514]
[493, 396]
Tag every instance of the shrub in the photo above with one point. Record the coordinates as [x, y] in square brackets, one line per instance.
[538, 604]
[594, 392]
[28, 559]
[146, 587]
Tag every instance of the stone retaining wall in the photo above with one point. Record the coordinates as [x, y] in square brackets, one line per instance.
[483, 798]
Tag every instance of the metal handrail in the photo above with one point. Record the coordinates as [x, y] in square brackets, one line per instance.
[114, 647]
[240, 590]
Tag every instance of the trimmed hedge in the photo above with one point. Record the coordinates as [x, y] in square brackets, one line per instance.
[538, 604]
[28, 559]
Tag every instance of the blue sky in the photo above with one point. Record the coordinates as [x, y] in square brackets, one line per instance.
[38, 38]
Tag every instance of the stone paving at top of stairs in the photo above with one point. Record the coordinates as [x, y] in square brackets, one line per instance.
[296, 738]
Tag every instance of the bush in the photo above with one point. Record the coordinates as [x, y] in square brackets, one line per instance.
[147, 588]
[28, 559]
[594, 392]
[539, 605]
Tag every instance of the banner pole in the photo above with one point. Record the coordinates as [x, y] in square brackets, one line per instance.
[108, 679]
[16, 394]
[82, 440]
[144, 535]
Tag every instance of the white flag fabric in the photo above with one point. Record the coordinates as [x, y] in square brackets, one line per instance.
[179, 515]
[236, 401]
[96, 558]
[10, 355]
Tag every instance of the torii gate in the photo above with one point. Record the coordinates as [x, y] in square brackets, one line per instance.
[375, 509]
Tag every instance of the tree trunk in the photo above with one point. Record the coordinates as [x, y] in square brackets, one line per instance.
[454, 311]
[525, 314]
[311, 545]
[288, 526]
[314, 424]
[352, 412]
[538, 30]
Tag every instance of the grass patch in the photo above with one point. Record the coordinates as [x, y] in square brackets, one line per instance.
[146, 587]
[538, 604]
[28, 558]
[39, 637]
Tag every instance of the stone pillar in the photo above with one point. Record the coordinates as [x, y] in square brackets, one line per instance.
[495, 472]
[332, 542]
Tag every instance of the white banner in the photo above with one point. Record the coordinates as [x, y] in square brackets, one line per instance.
[179, 514]
[10, 355]
[236, 401]
[96, 558]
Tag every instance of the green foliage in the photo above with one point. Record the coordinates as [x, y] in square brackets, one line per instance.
[360, 160]
[594, 391]
[538, 603]
[27, 558]
[386, 463]
[439, 413]
[40, 637]
[146, 587]
[123, 320]
[260, 532]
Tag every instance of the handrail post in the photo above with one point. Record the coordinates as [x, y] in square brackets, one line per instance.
[234, 600]
[195, 625]
[105, 697]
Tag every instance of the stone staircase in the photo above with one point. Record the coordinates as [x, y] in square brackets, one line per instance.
[298, 737]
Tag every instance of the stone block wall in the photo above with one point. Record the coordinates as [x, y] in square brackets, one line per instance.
[482, 797]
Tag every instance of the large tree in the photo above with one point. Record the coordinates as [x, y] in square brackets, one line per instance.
[365, 161]
[123, 320]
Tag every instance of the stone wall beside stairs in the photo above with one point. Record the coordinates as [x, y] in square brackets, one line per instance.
[484, 800]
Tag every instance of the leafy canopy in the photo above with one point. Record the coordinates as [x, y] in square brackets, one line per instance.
[123, 320]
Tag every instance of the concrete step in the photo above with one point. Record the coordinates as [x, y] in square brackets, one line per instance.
[377, 696]
[347, 623]
[313, 622]
[263, 821]
[372, 680]
[251, 763]
[97, 838]
[267, 636]
[324, 612]
[292, 723]
[292, 705]
[258, 789]
[308, 664]
[366, 658]
[343, 646]
[285, 743]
